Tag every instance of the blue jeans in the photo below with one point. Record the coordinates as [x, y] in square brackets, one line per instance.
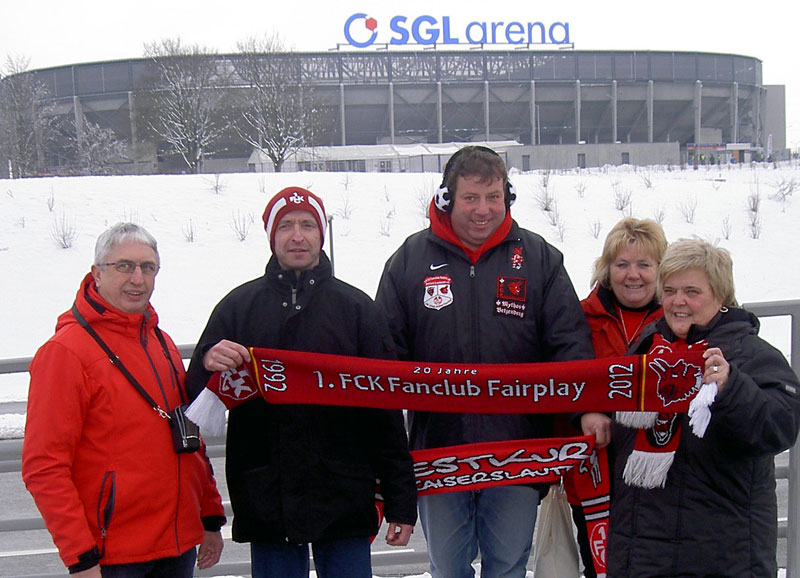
[497, 521]
[178, 567]
[342, 558]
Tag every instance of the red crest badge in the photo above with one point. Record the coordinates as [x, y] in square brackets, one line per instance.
[438, 293]
[237, 384]
[516, 258]
[513, 288]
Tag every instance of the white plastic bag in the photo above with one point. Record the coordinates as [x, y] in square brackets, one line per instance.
[555, 551]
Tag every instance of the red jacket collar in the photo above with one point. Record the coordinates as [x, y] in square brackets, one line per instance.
[443, 228]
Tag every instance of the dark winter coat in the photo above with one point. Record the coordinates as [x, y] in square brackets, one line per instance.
[303, 473]
[716, 516]
[516, 304]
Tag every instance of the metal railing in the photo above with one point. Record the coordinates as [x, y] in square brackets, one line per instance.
[10, 461]
[792, 530]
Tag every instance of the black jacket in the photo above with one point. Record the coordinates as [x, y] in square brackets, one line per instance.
[717, 514]
[516, 304]
[301, 472]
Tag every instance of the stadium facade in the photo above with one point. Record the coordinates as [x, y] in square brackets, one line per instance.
[640, 107]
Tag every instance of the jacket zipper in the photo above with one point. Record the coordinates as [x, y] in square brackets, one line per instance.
[476, 356]
[177, 507]
[106, 511]
[475, 308]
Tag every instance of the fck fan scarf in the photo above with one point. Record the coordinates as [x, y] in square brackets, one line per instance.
[658, 382]
[631, 384]
[482, 465]
[659, 432]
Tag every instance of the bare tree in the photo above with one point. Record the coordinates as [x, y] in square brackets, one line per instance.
[96, 149]
[189, 104]
[26, 118]
[279, 115]
[63, 231]
[785, 187]
[688, 207]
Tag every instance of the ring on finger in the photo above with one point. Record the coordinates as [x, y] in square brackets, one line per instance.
[715, 368]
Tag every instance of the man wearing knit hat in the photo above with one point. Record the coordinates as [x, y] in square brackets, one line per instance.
[301, 475]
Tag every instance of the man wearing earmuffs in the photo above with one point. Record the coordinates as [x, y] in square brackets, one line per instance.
[475, 287]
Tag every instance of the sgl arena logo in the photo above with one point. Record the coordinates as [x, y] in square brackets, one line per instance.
[362, 31]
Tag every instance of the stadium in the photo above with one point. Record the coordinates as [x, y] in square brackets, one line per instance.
[547, 109]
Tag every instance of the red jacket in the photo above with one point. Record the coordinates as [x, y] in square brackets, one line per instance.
[95, 449]
[607, 334]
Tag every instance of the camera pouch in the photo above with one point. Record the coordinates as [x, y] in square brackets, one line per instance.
[185, 433]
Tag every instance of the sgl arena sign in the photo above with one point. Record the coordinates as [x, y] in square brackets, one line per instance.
[362, 31]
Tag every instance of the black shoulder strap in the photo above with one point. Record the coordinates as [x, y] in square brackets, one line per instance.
[175, 374]
[117, 362]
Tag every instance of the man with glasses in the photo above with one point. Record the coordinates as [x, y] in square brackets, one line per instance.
[115, 494]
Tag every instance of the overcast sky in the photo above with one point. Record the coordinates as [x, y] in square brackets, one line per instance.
[52, 33]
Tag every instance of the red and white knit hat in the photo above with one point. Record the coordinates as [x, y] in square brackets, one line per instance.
[293, 199]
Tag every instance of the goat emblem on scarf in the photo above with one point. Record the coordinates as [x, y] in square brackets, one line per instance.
[676, 382]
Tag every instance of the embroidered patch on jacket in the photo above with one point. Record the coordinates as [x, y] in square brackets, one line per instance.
[511, 295]
[516, 258]
[438, 293]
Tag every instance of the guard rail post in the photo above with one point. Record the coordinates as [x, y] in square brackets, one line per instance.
[773, 309]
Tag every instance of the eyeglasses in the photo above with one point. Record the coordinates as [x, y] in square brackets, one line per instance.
[129, 267]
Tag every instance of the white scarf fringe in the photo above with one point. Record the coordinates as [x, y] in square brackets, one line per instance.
[637, 419]
[208, 412]
[699, 411]
[647, 469]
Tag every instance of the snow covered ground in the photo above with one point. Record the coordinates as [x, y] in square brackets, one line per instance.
[211, 236]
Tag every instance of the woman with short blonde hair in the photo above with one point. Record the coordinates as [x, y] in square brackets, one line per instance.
[701, 501]
[716, 262]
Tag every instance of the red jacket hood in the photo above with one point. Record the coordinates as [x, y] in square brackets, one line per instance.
[442, 227]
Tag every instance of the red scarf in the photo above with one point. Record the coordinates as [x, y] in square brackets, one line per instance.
[659, 437]
[483, 465]
[631, 384]
[442, 227]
